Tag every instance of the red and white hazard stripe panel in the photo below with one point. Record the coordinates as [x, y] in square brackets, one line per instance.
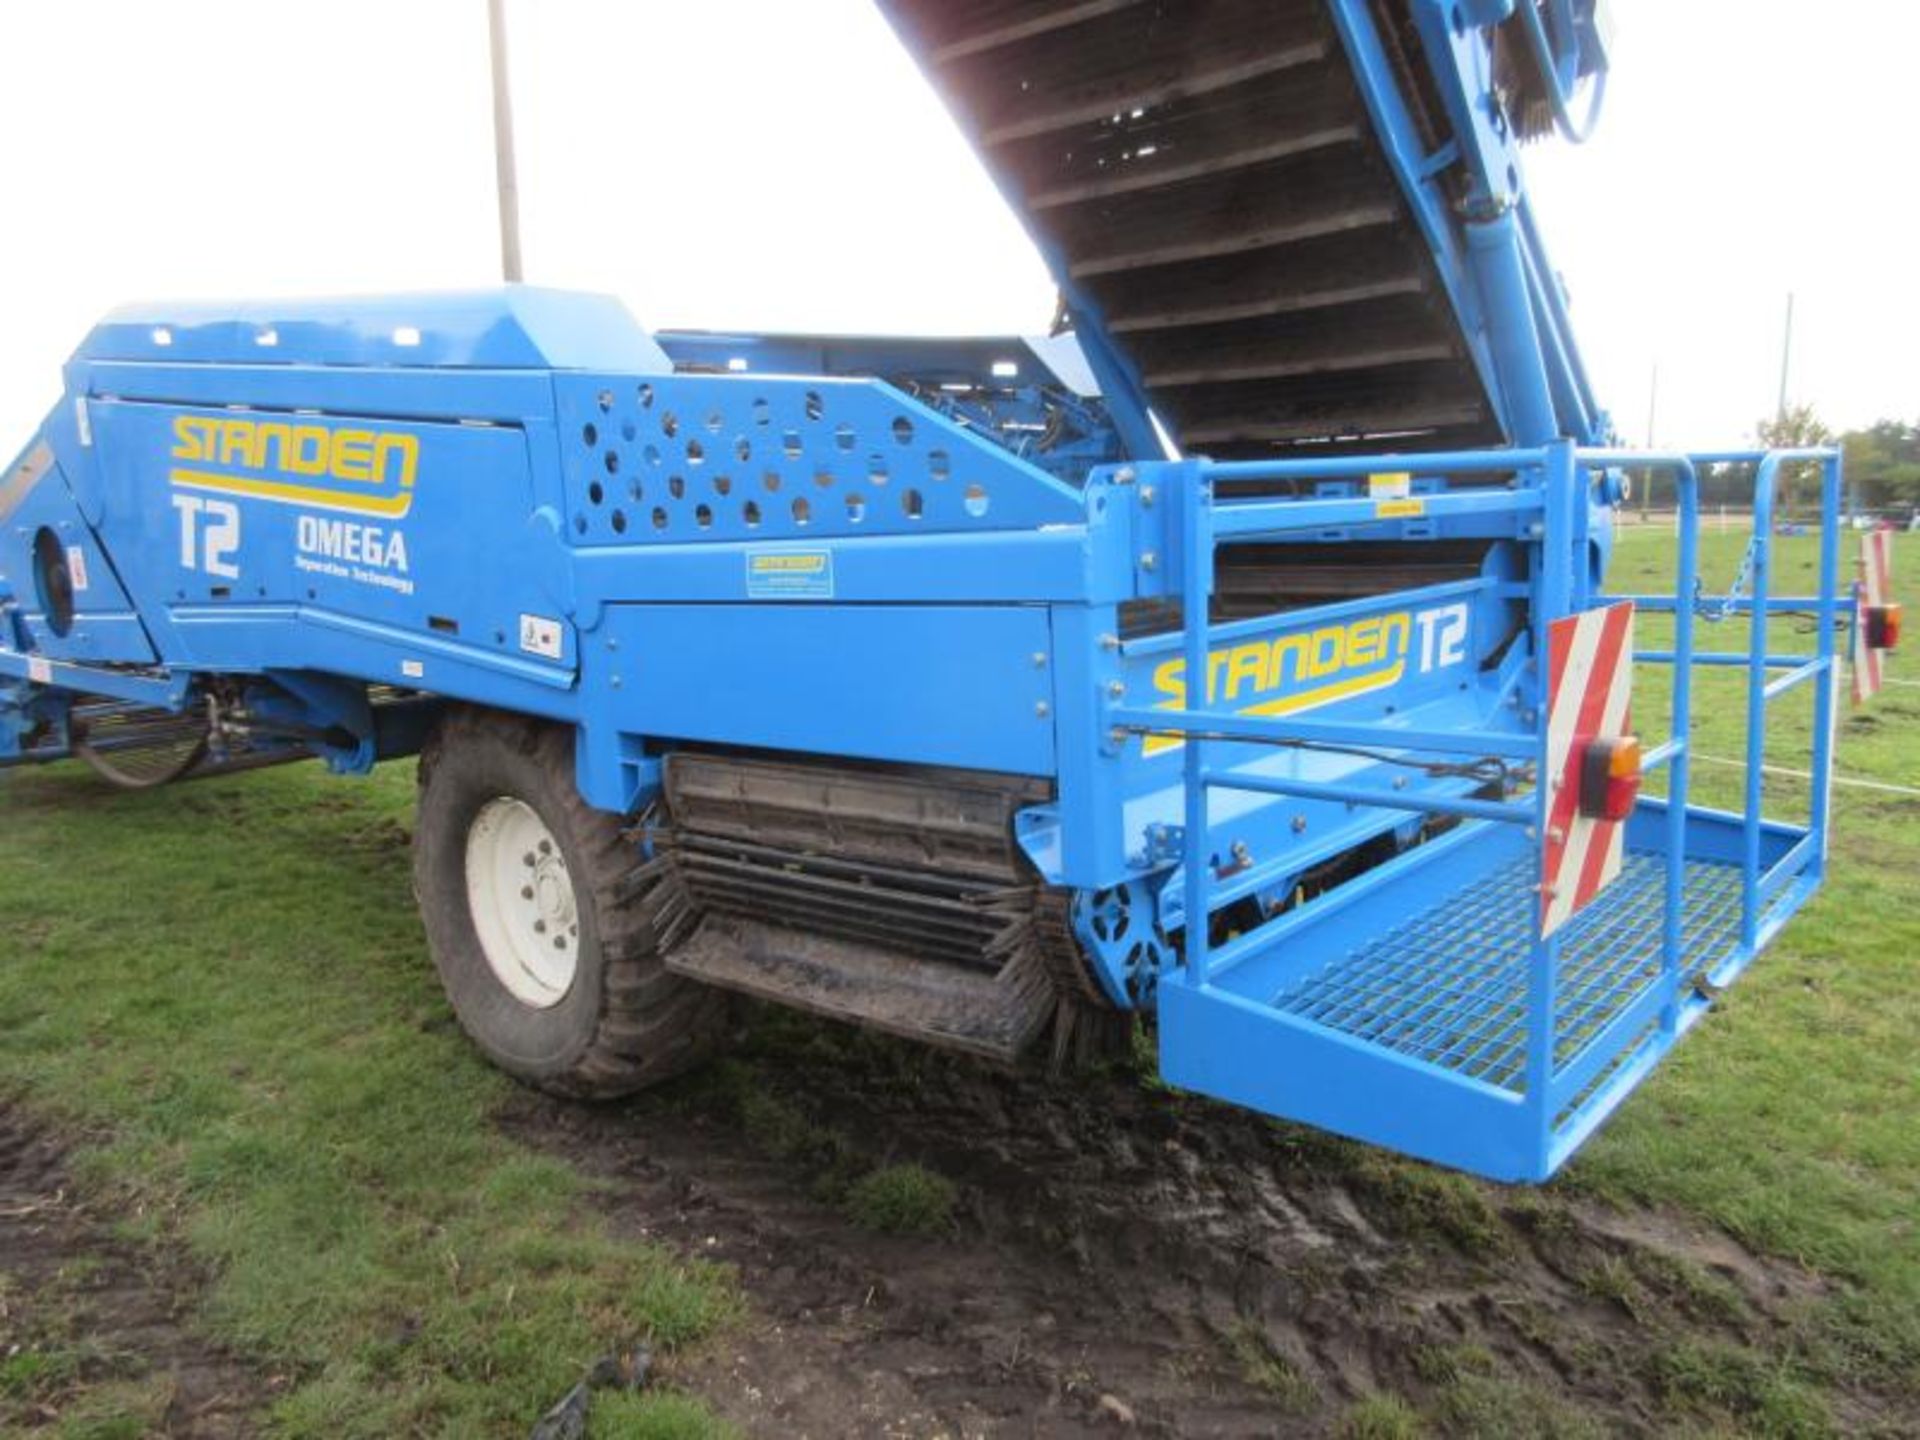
[1876, 619]
[1593, 762]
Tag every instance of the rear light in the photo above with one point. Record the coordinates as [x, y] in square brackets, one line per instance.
[1610, 777]
[1883, 627]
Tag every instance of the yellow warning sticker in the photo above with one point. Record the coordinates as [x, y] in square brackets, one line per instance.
[1399, 509]
[1390, 485]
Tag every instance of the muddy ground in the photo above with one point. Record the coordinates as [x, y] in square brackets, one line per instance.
[1119, 1259]
[1124, 1258]
[92, 1325]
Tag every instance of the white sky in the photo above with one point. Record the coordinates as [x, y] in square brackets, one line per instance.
[779, 164]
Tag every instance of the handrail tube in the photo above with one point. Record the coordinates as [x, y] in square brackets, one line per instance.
[1764, 481]
[1195, 540]
[1513, 814]
[1793, 679]
[1832, 478]
[1661, 755]
[1722, 657]
[1253, 518]
[1732, 604]
[1255, 729]
[1359, 467]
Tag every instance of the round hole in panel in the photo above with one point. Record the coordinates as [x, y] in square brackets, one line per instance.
[703, 516]
[770, 482]
[742, 449]
[815, 406]
[659, 517]
[645, 395]
[975, 500]
[802, 511]
[590, 436]
[676, 487]
[856, 507]
[696, 452]
[762, 413]
[722, 485]
[823, 478]
[903, 430]
[750, 512]
[619, 522]
[612, 461]
[910, 504]
[844, 437]
[939, 465]
[877, 469]
[595, 493]
[790, 444]
[605, 401]
[669, 424]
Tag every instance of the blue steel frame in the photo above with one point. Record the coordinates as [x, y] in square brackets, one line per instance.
[1218, 1036]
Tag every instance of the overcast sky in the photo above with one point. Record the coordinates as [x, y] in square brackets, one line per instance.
[779, 164]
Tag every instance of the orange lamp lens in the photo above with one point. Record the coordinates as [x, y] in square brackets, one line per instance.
[1883, 626]
[1610, 777]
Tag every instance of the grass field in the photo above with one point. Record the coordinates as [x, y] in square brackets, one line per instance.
[219, 993]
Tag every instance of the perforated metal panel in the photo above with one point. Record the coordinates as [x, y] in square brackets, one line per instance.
[687, 459]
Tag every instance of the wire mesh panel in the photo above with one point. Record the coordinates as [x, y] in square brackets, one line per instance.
[1449, 985]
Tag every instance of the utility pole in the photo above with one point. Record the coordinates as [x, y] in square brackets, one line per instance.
[1653, 411]
[1786, 360]
[505, 179]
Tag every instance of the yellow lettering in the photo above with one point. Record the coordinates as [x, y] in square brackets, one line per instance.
[353, 455]
[308, 453]
[1170, 679]
[1248, 667]
[1296, 646]
[1327, 651]
[405, 447]
[236, 443]
[192, 438]
[1394, 630]
[272, 439]
[1363, 642]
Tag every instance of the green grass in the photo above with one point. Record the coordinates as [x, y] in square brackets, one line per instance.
[227, 981]
[1790, 1118]
[902, 1200]
[224, 983]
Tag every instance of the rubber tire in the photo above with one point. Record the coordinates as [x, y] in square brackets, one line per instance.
[626, 1022]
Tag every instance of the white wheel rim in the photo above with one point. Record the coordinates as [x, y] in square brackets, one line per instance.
[522, 902]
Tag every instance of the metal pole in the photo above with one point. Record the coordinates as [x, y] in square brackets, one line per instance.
[505, 179]
[1653, 411]
[1786, 360]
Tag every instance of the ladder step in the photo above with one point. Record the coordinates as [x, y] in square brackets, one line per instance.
[995, 1016]
[1029, 27]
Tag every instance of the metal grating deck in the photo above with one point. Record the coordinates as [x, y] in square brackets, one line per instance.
[1449, 986]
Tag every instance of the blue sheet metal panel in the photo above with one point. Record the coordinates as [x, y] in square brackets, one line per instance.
[935, 685]
[1063, 563]
[674, 459]
[502, 396]
[1711, 834]
[34, 499]
[1219, 1044]
[303, 638]
[507, 327]
[1426, 185]
[417, 528]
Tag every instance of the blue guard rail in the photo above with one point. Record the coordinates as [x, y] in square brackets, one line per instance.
[1418, 1006]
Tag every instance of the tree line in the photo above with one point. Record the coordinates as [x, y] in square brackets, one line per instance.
[1882, 468]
